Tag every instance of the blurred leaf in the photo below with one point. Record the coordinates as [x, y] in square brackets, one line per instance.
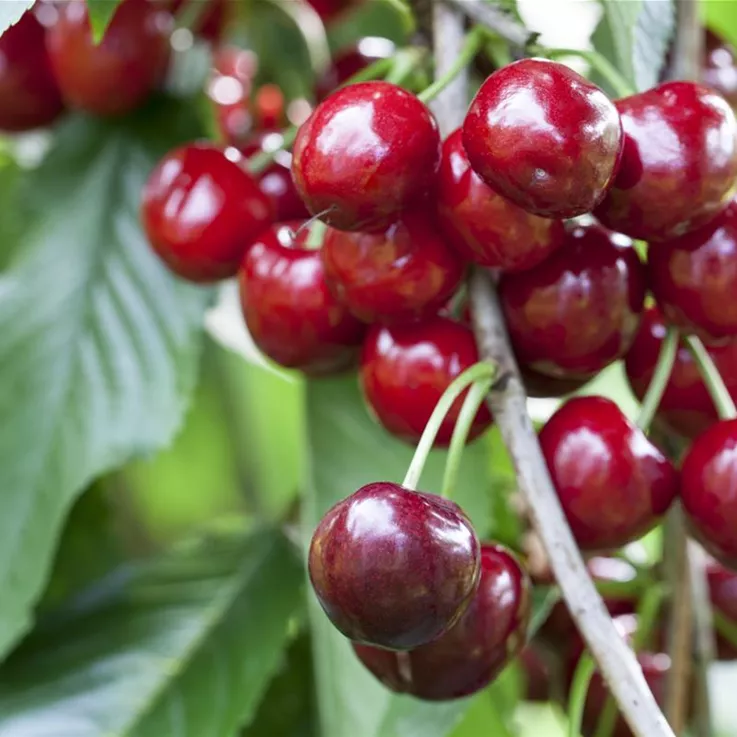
[99, 344]
[378, 18]
[544, 598]
[183, 646]
[101, 12]
[722, 17]
[11, 12]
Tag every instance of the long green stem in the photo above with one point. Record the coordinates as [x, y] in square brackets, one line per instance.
[483, 370]
[711, 377]
[579, 691]
[607, 70]
[659, 382]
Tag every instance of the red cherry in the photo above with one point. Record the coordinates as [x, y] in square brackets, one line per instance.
[29, 96]
[366, 153]
[540, 386]
[694, 278]
[229, 88]
[201, 210]
[686, 405]
[291, 315]
[470, 655]
[212, 22]
[116, 75]
[405, 369]
[679, 163]
[484, 226]
[545, 137]
[269, 108]
[393, 567]
[403, 273]
[719, 69]
[540, 673]
[578, 311]
[612, 482]
[708, 483]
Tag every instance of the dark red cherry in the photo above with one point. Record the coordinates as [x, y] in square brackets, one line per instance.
[544, 137]
[540, 386]
[686, 406]
[394, 567]
[290, 313]
[201, 210]
[614, 485]
[276, 180]
[679, 163]
[723, 594]
[719, 69]
[540, 673]
[366, 153]
[269, 108]
[708, 490]
[212, 21]
[405, 369]
[29, 96]
[468, 657]
[694, 278]
[403, 273]
[577, 311]
[484, 226]
[116, 75]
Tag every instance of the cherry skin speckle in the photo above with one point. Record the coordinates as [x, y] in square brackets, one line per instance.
[393, 567]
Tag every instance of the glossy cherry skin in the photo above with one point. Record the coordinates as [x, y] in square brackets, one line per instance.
[289, 310]
[29, 95]
[679, 164]
[484, 226]
[694, 278]
[613, 484]
[393, 567]
[403, 273]
[366, 153]
[686, 406]
[276, 180]
[116, 75]
[405, 369]
[709, 490]
[719, 69]
[577, 311]
[470, 655]
[544, 137]
[201, 210]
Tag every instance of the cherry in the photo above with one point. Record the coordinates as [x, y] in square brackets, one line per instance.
[539, 672]
[540, 386]
[276, 180]
[468, 657]
[686, 406]
[694, 278]
[405, 369]
[116, 75]
[577, 311]
[405, 272]
[612, 482]
[394, 567]
[545, 137]
[211, 24]
[484, 226]
[201, 210]
[29, 96]
[708, 484]
[366, 153]
[679, 163]
[291, 315]
[269, 108]
[719, 70]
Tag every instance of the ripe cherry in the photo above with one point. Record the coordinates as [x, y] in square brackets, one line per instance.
[470, 655]
[484, 226]
[694, 278]
[545, 137]
[269, 108]
[366, 153]
[291, 315]
[394, 567]
[116, 75]
[29, 95]
[613, 484]
[719, 70]
[403, 273]
[679, 163]
[201, 210]
[405, 369]
[577, 311]
[708, 483]
[723, 594]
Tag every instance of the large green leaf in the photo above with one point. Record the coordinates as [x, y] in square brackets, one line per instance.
[183, 646]
[99, 344]
[11, 12]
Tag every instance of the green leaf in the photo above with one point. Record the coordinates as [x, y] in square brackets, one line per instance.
[635, 35]
[11, 12]
[101, 12]
[99, 344]
[348, 449]
[721, 16]
[183, 646]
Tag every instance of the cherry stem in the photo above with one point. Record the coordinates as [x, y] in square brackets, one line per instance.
[579, 691]
[711, 377]
[481, 371]
[616, 81]
[316, 234]
[659, 381]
